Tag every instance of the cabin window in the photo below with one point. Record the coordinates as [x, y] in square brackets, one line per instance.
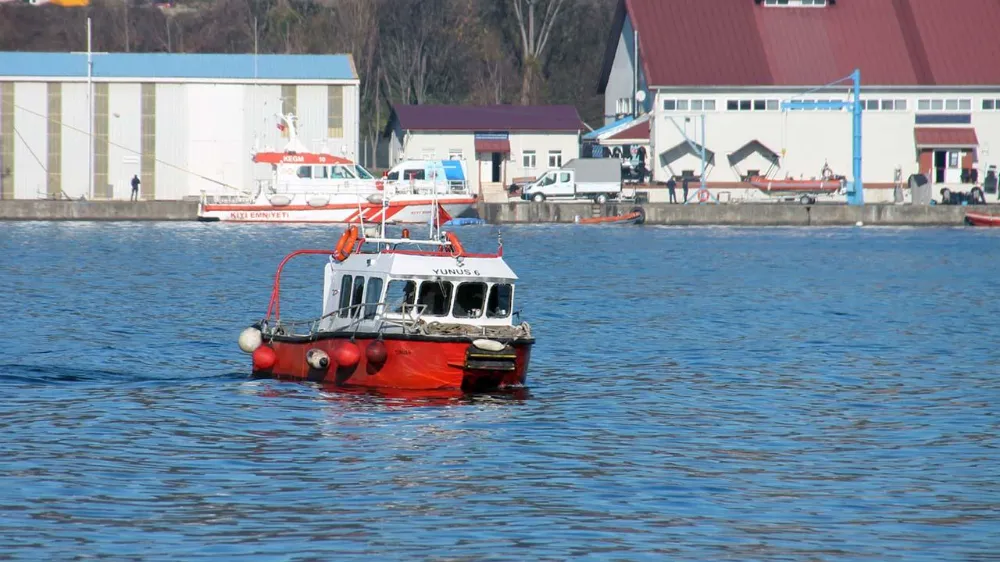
[435, 296]
[357, 293]
[469, 299]
[345, 295]
[413, 174]
[392, 176]
[319, 172]
[362, 173]
[304, 172]
[400, 293]
[498, 305]
[372, 295]
[338, 173]
[563, 177]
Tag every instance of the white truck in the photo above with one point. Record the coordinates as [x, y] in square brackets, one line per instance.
[599, 179]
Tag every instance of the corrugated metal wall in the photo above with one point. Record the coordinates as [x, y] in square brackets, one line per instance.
[54, 131]
[31, 107]
[169, 134]
[171, 141]
[125, 135]
[7, 140]
[74, 155]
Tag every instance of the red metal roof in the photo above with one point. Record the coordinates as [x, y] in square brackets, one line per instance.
[488, 118]
[639, 131]
[741, 43]
[945, 136]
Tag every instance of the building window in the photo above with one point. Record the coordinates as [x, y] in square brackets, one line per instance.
[750, 105]
[455, 154]
[688, 105]
[528, 159]
[555, 159]
[682, 105]
[427, 154]
[624, 106]
[944, 104]
[796, 3]
[335, 112]
[669, 105]
[991, 105]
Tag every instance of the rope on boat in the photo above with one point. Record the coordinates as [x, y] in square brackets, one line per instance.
[441, 329]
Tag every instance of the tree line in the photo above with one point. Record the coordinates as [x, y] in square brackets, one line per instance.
[405, 51]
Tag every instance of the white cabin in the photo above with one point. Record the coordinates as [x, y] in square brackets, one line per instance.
[373, 292]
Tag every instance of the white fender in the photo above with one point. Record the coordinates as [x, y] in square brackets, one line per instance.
[488, 345]
[250, 340]
[317, 359]
[318, 201]
[280, 200]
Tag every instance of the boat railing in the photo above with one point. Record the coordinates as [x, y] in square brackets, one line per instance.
[405, 316]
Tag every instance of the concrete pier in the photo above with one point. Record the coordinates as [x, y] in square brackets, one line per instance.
[47, 210]
[761, 214]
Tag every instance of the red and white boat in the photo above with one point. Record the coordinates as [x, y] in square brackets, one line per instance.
[982, 219]
[318, 187]
[400, 313]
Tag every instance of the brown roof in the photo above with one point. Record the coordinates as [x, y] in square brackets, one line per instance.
[741, 43]
[635, 132]
[945, 136]
[488, 118]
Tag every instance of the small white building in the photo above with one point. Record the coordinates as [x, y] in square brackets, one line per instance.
[498, 143]
[930, 87]
[184, 123]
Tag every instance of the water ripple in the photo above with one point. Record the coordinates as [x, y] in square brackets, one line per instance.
[695, 393]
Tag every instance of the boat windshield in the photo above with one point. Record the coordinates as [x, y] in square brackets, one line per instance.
[342, 173]
[363, 173]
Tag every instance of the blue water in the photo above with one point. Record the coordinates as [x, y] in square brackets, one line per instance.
[695, 394]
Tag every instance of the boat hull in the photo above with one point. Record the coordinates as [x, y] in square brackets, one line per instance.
[403, 211]
[797, 186]
[411, 362]
[981, 219]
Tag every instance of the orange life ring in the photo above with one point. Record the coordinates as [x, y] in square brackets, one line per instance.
[346, 243]
[379, 185]
[703, 196]
[456, 246]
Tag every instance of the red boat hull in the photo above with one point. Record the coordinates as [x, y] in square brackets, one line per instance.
[980, 219]
[411, 363]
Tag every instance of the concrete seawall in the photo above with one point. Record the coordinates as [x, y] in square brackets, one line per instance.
[45, 210]
[767, 214]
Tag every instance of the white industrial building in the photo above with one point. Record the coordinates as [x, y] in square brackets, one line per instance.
[930, 87]
[184, 123]
[498, 143]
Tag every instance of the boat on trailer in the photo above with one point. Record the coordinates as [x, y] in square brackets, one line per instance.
[306, 186]
[400, 313]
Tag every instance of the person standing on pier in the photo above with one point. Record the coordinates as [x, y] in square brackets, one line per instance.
[135, 187]
[685, 184]
[672, 187]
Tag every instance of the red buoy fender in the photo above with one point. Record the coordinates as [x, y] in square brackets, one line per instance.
[347, 354]
[703, 196]
[376, 353]
[264, 358]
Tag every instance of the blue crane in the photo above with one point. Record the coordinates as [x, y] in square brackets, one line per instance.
[855, 188]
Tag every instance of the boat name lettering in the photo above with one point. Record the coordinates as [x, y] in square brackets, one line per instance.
[455, 271]
[258, 215]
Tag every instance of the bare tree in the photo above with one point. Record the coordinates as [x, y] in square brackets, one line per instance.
[534, 38]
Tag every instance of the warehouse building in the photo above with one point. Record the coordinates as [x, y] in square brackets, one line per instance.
[930, 86]
[184, 123]
[498, 143]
